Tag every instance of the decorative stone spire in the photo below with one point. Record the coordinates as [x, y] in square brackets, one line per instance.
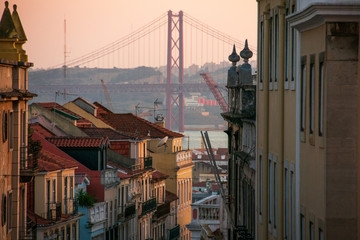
[7, 27]
[233, 78]
[21, 35]
[233, 57]
[18, 26]
[246, 53]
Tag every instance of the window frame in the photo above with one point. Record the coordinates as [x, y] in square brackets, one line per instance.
[321, 95]
[303, 94]
[312, 95]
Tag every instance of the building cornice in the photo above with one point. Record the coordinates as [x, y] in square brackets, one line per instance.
[319, 13]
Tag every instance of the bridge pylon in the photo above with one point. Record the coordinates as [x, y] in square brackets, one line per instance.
[175, 59]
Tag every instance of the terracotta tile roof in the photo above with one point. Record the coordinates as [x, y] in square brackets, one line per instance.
[101, 109]
[108, 132]
[51, 105]
[40, 129]
[38, 220]
[157, 175]
[49, 158]
[170, 197]
[128, 122]
[77, 142]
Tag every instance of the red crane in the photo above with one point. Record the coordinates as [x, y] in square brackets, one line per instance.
[215, 91]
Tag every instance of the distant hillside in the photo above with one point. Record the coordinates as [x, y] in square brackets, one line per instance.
[94, 75]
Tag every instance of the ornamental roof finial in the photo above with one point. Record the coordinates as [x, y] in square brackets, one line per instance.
[246, 53]
[233, 57]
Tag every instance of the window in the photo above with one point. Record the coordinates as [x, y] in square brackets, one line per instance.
[311, 230]
[9, 207]
[271, 53]
[274, 193]
[71, 187]
[303, 92]
[321, 95]
[4, 208]
[74, 235]
[321, 234]
[68, 232]
[302, 227]
[54, 190]
[287, 52]
[292, 205]
[260, 183]
[269, 190]
[24, 128]
[11, 134]
[293, 53]
[276, 50]
[286, 199]
[261, 53]
[5, 126]
[65, 187]
[311, 94]
[48, 193]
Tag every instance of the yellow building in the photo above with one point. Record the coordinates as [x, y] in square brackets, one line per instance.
[14, 98]
[327, 115]
[52, 207]
[277, 170]
[308, 124]
[171, 159]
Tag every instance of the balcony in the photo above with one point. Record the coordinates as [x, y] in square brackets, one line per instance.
[28, 166]
[174, 232]
[129, 212]
[162, 211]
[183, 159]
[53, 211]
[148, 206]
[96, 213]
[141, 164]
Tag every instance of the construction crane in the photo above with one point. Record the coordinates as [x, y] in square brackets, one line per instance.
[215, 91]
[107, 96]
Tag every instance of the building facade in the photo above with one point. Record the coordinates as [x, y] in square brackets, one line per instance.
[277, 170]
[307, 130]
[16, 171]
[241, 118]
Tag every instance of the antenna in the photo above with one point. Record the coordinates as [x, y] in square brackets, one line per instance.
[65, 55]
[163, 142]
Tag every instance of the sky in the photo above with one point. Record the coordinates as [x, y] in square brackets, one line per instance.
[92, 24]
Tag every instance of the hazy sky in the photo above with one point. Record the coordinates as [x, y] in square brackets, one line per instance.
[92, 24]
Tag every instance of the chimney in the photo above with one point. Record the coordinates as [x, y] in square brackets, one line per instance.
[160, 121]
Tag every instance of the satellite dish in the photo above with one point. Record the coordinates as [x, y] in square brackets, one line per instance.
[162, 141]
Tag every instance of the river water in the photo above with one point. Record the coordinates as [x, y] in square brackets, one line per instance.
[218, 139]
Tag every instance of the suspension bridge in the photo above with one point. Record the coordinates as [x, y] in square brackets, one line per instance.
[170, 43]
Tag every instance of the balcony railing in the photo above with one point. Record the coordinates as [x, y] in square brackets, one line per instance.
[28, 165]
[96, 213]
[53, 211]
[141, 163]
[130, 210]
[162, 210]
[207, 210]
[127, 212]
[148, 206]
[174, 232]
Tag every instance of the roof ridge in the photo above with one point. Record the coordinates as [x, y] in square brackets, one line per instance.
[164, 130]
